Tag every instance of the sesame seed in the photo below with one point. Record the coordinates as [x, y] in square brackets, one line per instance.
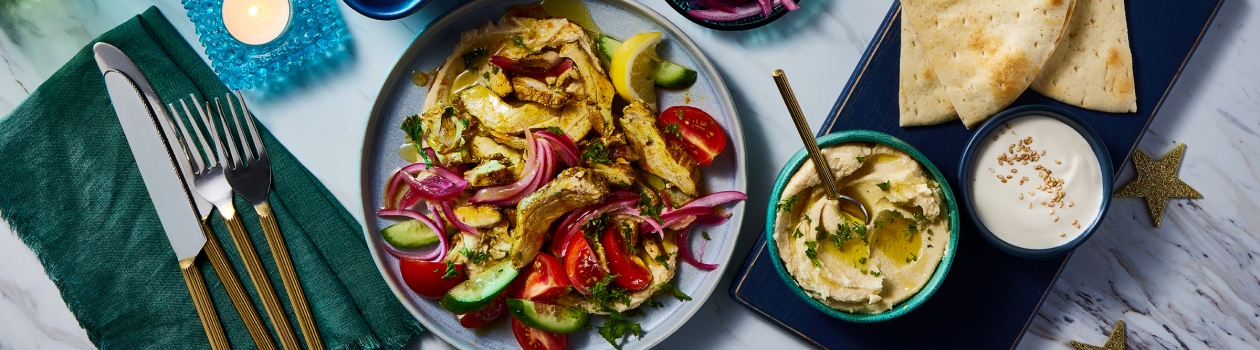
[1014, 171]
[1072, 204]
[1051, 211]
[1056, 219]
[1056, 161]
[1021, 196]
[1029, 205]
[1061, 234]
[991, 169]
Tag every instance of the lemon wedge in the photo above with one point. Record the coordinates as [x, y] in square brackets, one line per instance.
[633, 64]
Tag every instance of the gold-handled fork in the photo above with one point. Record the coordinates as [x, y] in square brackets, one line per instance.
[197, 170]
[211, 183]
[249, 173]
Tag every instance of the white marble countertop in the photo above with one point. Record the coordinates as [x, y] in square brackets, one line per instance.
[1194, 283]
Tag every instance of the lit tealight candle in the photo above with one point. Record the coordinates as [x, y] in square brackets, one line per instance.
[256, 22]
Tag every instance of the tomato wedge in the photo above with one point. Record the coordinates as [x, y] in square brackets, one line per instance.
[631, 273]
[699, 133]
[582, 265]
[425, 277]
[532, 338]
[544, 280]
[486, 315]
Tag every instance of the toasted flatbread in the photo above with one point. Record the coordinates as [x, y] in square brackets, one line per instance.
[920, 94]
[986, 53]
[1093, 66]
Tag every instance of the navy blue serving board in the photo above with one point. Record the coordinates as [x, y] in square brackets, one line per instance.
[989, 298]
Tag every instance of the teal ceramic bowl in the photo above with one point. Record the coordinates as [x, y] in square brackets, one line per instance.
[950, 206]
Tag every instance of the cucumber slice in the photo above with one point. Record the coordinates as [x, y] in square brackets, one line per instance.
[672, 76]
[607, 46]
[480, 290]
[409, 234]
[547, 317]
[667, 75]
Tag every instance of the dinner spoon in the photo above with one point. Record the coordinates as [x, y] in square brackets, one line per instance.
[811, 145]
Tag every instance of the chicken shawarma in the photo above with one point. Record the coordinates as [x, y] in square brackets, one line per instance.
[541, 187]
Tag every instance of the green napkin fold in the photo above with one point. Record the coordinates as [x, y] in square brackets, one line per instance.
[71, 190]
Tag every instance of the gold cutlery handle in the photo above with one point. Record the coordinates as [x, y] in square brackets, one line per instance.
[292, 286]
[236, 291]
[254, 267]
[205, 307]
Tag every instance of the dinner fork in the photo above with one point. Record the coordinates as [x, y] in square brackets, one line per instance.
[211, 183]
[214, 250]
[249, 173]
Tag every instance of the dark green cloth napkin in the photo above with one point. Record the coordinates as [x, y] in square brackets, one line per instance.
[70, 188]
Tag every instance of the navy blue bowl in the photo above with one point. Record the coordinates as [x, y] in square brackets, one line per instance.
[386, 9]
[965, 171]
[682, 6]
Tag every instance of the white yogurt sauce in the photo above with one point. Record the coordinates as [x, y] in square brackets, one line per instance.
[1036, 183]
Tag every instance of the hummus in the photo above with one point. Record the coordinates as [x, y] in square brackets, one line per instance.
[860, 268]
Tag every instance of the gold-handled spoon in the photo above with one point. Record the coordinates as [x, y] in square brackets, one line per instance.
[811, 145]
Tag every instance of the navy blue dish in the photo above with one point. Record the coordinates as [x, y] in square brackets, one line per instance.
[966, 170]
[386, 9]
[682, 6]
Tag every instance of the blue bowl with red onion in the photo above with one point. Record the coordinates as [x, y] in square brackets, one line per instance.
[733, 14]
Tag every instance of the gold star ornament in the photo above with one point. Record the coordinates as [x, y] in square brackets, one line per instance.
[1114, 342]
[1157, 181]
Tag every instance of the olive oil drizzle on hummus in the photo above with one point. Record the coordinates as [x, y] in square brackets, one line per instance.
[849, 266]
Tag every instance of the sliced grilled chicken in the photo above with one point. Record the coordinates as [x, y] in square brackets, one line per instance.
[658, 156]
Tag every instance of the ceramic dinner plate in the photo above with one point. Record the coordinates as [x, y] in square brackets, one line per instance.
[399, 97]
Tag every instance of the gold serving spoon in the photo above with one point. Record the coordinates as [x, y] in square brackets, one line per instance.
[811, 145]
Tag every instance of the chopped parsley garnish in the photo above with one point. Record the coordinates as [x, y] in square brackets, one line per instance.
[822, 232]
[861, 231]
[797, 233]
[836, 240]
[450, 111]
[861, 159]
[811, 251]
[495, 69]
[672, 129]
[875, 273]
[914, 227]
[471, 56]
[475, 257]
[862, 260]
[415, 130]
[705, 234]
[879, 224]
[617, 327]
[646, 208]
[519, 41]
[605, 294]
[807, 219]
[595, 226]
[451, 272]
[675, 292]
[464, 122]
[895, 214]
[596, 152]
[884, 185]
[654, 303]
[664, 260]
[919, 217]
[485, 75]
[555, 130]
[786, 204]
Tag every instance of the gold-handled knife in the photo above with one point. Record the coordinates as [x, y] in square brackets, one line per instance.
[109, 57]
[166, 189]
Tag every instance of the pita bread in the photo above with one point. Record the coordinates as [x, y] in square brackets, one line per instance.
[921, 96]
[986, 53]
[1092, 67]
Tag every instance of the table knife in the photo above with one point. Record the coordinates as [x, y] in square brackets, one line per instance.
[110, 57]
[171, 199]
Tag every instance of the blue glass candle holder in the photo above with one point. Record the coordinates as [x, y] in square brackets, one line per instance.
[315, 36]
